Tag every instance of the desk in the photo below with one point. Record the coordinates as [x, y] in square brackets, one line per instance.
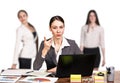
[116, 80]
[67, 80]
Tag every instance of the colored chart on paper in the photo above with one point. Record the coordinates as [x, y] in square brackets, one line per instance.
[39, 79]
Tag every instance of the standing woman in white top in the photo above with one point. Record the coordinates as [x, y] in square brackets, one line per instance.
[26, 42]
[92, 38]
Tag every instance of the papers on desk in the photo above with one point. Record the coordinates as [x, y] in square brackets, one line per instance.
[12, 75]
[15, 72]
[39, 79]
[26, 72]
[38, 73]
[9, 79]
[98, 77]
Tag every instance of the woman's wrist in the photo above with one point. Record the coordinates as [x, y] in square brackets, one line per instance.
[81, 48]
[44, 52]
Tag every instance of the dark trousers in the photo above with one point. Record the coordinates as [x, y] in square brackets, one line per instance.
[94, 51]
[24, 63]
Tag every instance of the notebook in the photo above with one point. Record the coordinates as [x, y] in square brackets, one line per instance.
[75, 64]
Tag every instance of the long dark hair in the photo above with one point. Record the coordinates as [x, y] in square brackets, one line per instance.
[97, 20]
[59, 18]
[37, 40]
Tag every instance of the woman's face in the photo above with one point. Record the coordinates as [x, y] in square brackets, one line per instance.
[92, 17]
[23, 17]
[57, 29]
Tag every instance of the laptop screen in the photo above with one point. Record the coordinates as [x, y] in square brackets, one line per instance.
[75, 64]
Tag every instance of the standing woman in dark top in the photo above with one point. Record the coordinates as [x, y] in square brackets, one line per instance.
[92, 38]
[26, 42]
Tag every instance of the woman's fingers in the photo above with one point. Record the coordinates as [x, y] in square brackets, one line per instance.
[47, 43]
[44, 39]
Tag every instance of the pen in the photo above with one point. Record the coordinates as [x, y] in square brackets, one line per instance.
[29, 71]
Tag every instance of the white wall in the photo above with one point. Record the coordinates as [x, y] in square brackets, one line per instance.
[74, 13]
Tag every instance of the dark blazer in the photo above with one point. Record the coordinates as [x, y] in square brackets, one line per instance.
[50, 58]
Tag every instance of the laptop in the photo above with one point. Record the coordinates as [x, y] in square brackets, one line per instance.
[75, 64]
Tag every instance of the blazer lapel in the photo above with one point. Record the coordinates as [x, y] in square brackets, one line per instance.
[65, 50]
[53, 55]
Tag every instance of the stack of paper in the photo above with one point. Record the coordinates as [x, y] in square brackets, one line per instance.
[16, 72]
[99, 79]
[9, 79]
[74, 78]
[38, 73]
[99, 76]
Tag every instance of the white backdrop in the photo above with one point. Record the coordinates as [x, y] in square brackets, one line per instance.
[74, 13]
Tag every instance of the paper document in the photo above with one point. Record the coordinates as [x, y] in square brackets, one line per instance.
[17, 72]
[9, 79]
[39, 73]
[39, 79]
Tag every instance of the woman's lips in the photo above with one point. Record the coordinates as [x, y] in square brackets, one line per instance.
[58, 35]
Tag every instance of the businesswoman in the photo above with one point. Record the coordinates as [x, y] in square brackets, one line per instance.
[26, 42]
[50, 49]
[92, 38]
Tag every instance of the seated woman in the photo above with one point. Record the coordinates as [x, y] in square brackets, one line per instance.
[51, 49]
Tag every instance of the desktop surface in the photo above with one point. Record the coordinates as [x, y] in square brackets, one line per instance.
[67, 80]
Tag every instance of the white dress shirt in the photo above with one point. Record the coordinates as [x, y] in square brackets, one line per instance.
[64, 44]
[92, 38]
[25, 44]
